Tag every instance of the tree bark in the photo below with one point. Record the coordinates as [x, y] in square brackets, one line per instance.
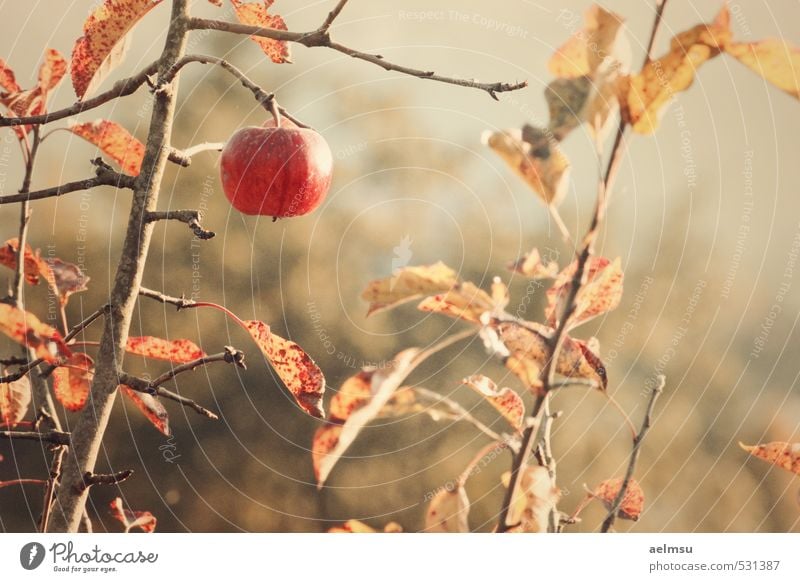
[87, 434]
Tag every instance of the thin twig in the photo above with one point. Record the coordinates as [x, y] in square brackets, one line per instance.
[103, 178]
[121, 88]
[90, 479]
[189, 217]
[13, 482]
[184, 157]
[332, 15]
[179, 302]
[321, 38]
[479, 456]
[55, 437]
[458, 411]
[637, 447]
[52, 484]
[229, 356]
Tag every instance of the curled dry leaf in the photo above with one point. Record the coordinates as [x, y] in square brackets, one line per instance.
[104, 42]
[72, 381]
[781, 454]
[113, 140]
[464, 301]
[632, 503]
[355, 526]
[256, 14]
[505, 400]
[68, 278]
[776, 60]
[26, 329]
[330, 442]
[535, 156]
[33, 262]
[33, 101]
[144, 520]
[448, 511]
[645, 96]
[15, 397]
[151, 407]
[532, 265]
[532, 502]
[601, 292]
[408, 283]
[293, 366]
[528, 344]
[177, 351]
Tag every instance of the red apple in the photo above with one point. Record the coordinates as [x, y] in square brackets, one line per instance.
[276, 171]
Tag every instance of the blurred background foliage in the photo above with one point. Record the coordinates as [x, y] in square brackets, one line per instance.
[410, 165]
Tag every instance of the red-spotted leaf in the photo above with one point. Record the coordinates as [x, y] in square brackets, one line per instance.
[776, 60]
[151, 407]
[505, 400]
[355, 526]
[113, 140]
[33, 101]
[448, 511]
[103, 44]
[8, 80]
[216, 2]
[532, 265]
[68, 278]
[532, 502]
[293, 366]
[325, 440]
[72, 381]
[355, 393]
[632, 503]
[144, 520]
[408, 283]
[33, 262]
[384, 383]
[781, 454]
[51, 71]
[26, 329]
[601, 292]
[464, 301]
[15, 397]
[256, 14]
[179, 351]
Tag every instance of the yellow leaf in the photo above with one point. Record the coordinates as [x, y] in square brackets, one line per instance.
[776, 60]
[601, 292]
[448, 511]
[533, 500]
[781, 454]
[505, 400]
[408, 283]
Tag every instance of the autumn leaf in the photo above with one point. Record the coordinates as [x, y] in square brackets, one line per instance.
[33, 101]
[151, 407]
[355, 526]
[776, 60]
[256, 14]
[528, 343]
[104, 42]
[33, 262]
[384, 382]
[113, 140]
[355, 393]
[533, 500]
[535, 156]
[144, 520]
[293, 366]
[68, 278]
[505, 400]
[646, 96]
[26, 329]
[532, 265]
[632, 503]
[8, 80]
[448, 511]
[72, 381]
[600, 294]
[15, 397]
[781, 454]
[408, 283]
[179, 351]
[465, 301]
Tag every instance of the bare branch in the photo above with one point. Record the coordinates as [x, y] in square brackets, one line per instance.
[321, 38]
[184, 157]
[55, 437]
[121, 88]
[459, 412]
[190, 217]
[179, 302]
[104, 177]
[332, 16]
[637, 445]
[90, 479]
[13, 482]
[142, 385]
[52, 484]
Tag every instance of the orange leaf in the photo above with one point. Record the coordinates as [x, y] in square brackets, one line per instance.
[465, 301]
[51, 71]
[407, 283]
[102, 46]
[601, 292]
[151, 407]
[177, 351]
[325, 440]
[15, 397]
[505, 400]
[355, 526]
[113, 140]
[255, 14]
[531, 265]
[632, 503]
[144, 520]
[355, 393]
[781, 454]
[448, 511]
[33, 263]
[776, 60]
[26, 329]
[72, 381]
[8, 80]
[533, 500]
[384, 382]
[293, 366]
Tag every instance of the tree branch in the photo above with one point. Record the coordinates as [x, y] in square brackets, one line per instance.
[22, 482]
[55, 437]
[637, 445]
[184, 157]
[190, 217]
[52, 484]
[142, 385]
[179, 302]
[121, 88]
[321, 38]
[104, 178]
[90, 479]
[332, 15]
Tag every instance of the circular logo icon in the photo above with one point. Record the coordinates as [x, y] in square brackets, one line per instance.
[31, 555]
